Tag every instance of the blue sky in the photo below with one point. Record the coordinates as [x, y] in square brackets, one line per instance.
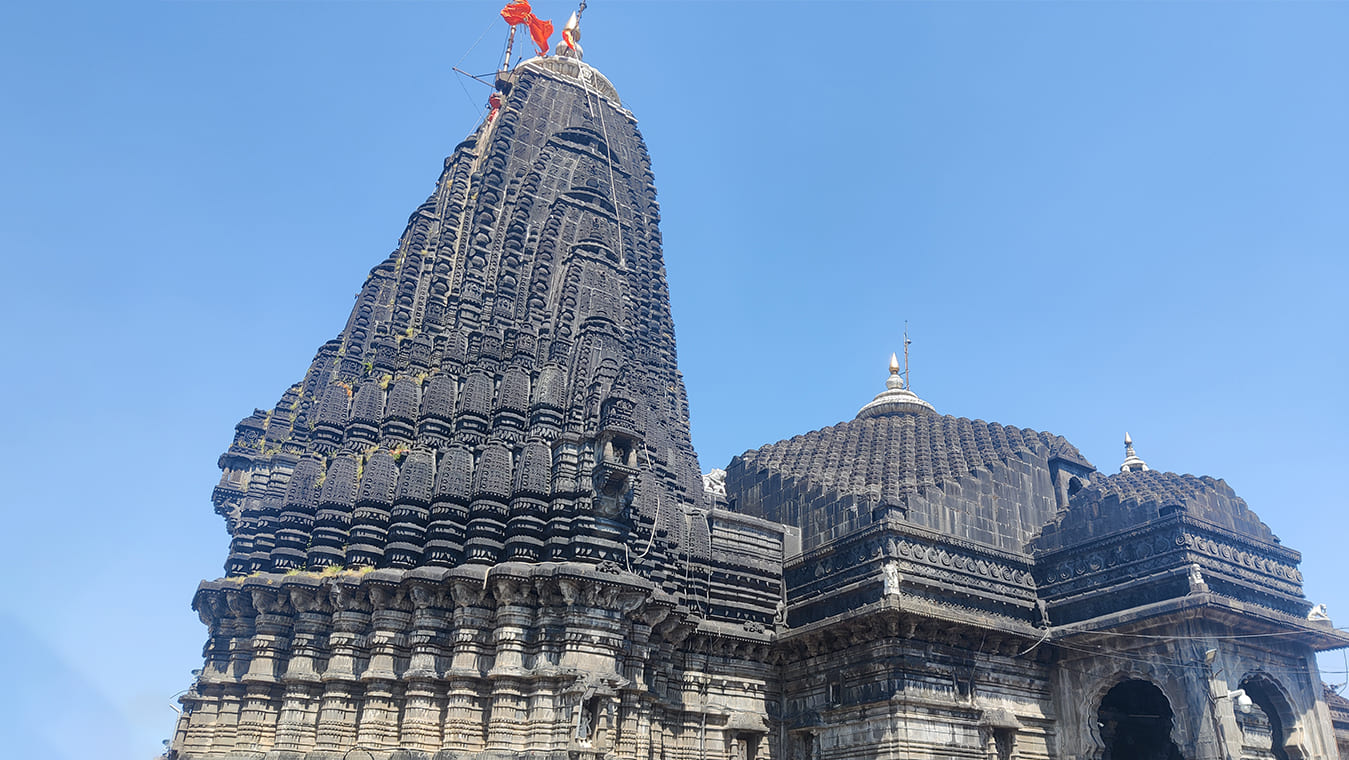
[1096, 217]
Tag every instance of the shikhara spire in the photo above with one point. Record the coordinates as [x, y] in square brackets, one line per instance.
[505, 387]
[483, 486]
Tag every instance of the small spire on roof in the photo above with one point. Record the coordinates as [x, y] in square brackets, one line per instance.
[570, 46]
[1132, 463]
[895, 399]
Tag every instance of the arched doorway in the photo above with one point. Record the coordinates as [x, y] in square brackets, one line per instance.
[1135, 722]
[1264, 722]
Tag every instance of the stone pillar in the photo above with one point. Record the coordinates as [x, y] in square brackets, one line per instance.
[202, 720]
[626, 723]
[226, 732]
[270, 645]
[547, 728]
[237, 629]
[190, 702]
[464, 681]
[509, 714]
[515, 601]
[634, 709]
[1219, 734]
[423, 713]
[295, 726]
[336, 716]
[388, 641]
[213, 611]
[338, 707]
[298, 717]
[379, 715]
[258, 715]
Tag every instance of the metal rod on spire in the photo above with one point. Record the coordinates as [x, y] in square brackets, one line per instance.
[907, 382]
[510, 42]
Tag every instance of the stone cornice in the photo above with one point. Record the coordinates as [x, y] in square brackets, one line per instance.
[552, 583]
[1252, 619]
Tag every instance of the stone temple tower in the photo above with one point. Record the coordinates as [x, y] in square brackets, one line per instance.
[478, 518]
[476, 530]
[505, 387]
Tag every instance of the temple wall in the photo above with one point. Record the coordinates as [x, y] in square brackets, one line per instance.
[520, 660]
[899, 686]
[1208, 722]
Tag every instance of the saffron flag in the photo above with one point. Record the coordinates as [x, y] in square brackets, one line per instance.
[519, 12]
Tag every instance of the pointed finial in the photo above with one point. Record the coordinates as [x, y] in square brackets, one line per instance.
[895, 381]
[896, 398]
[1132, 462]
[571, 35]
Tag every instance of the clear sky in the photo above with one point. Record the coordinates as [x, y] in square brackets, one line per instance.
[1096, 217]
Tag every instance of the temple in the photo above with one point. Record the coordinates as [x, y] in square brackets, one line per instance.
[477, 528]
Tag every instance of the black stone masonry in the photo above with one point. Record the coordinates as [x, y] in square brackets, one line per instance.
[505, 387]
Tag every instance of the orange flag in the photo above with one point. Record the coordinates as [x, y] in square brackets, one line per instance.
[519, 12]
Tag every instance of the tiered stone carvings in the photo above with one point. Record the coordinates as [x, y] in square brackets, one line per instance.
[477, 526]
[1184, 534]
[515, 350]
[919, 566]
[461, 659]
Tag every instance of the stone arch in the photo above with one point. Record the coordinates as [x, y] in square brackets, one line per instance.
[1131, 718]
[1272, 699]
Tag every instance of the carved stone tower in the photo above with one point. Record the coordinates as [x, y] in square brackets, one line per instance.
[505, 387]
[478, 519]
[476, 530]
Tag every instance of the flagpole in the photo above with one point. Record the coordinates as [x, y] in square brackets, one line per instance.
[510, 42]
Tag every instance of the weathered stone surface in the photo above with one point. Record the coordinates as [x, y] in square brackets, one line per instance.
[975, 480]
[477, 527]
[523, 310]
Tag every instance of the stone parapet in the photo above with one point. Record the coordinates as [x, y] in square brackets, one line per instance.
[1169, 557]
[894, 558]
